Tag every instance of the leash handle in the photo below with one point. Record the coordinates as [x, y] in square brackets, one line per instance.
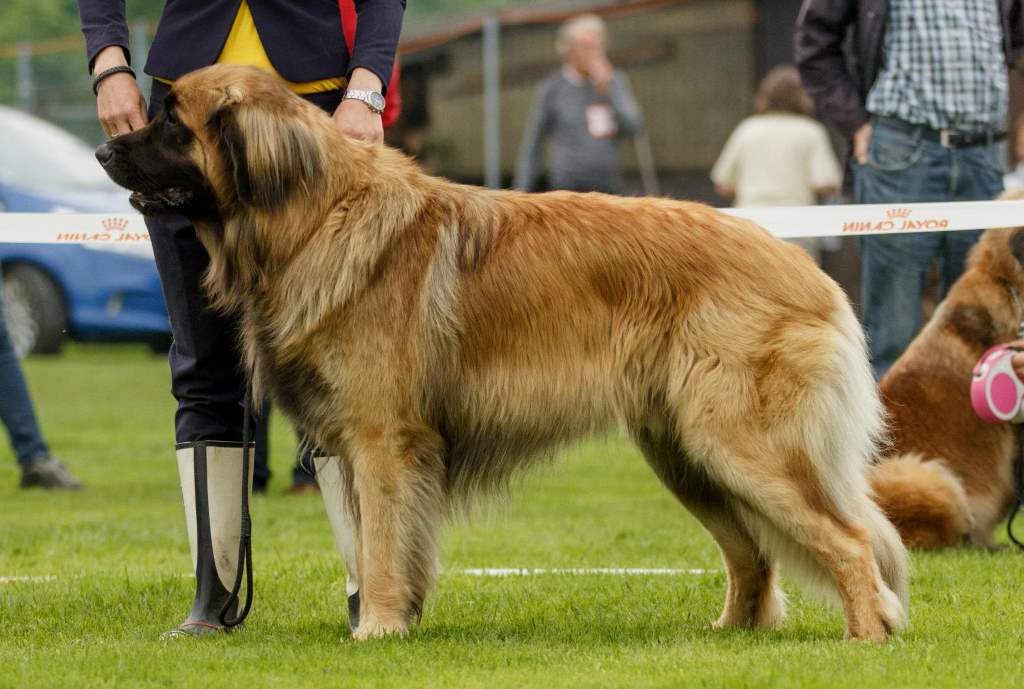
[245, 537]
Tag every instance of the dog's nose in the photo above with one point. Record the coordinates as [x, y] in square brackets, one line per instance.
[104, 153]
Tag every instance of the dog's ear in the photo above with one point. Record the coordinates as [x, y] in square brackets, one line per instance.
[1017, 245]
[224, 124]
[270, 156]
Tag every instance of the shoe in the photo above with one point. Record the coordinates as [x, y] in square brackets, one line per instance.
[48, 472]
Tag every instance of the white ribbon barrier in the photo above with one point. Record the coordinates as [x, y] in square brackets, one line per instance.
[789, 222]
[786, 222]
[72, 228]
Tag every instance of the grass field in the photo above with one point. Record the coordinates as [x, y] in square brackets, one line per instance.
[119, 558]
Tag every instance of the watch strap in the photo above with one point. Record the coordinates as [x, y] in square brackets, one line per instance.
[367, 97]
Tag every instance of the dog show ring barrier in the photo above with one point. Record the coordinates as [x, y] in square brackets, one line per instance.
[785, 222]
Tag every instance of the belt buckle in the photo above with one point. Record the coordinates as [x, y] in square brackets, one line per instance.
[946, 137]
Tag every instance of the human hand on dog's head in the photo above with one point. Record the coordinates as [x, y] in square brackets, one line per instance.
[120, 106]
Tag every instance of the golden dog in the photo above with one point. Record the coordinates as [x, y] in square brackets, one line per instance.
[439, 336]
[948, 477]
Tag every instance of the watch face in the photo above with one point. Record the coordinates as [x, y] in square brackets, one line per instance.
[377, 101]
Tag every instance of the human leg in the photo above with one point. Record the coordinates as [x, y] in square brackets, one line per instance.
[207, 384]
[16, 409]
[978, 176]
[902, 167]
[38, 468]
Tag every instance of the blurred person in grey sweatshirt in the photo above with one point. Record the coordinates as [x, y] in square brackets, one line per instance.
[582, 110]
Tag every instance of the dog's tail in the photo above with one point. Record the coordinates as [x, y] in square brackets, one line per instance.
[924, 499]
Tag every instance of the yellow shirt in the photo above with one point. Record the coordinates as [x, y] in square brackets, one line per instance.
[244, 47]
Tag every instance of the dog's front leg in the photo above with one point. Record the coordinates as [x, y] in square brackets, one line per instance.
[399, 477]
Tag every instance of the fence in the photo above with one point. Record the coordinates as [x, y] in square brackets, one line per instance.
[49, 78]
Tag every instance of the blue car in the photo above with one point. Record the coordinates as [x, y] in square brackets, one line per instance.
[91, 293]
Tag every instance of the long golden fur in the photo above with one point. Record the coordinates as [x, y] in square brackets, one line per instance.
[439, 336]
[947, 479]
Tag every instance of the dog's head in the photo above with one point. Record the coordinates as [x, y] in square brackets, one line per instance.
[1000, 252]
[227, 137]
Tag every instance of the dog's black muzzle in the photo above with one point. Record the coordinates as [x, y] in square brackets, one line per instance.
[162, 190]
[105, 153]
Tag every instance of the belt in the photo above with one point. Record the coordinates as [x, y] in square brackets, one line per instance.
[948, 138]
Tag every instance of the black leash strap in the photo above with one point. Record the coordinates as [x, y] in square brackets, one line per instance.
[1018, 492]
[245, 538]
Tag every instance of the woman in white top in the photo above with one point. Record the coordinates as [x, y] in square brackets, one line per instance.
[779, 156]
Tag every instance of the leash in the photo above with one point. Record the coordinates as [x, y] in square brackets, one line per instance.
[1018, 466]
[245, 539]
[1018, 492]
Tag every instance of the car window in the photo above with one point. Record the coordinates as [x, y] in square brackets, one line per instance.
[39, 155]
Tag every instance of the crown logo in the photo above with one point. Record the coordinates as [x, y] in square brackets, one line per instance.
[898, 213]
[115, 224]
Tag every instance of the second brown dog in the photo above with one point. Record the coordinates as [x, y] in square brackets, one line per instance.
[947, 478]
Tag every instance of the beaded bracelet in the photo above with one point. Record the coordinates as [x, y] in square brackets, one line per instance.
[106, 73]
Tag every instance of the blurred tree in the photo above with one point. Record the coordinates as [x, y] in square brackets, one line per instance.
[58, 63]
[37, 19]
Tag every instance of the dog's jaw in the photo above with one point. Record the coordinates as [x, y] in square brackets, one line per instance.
[159, 202]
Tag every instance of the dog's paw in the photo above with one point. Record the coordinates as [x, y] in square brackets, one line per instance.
[766, 612]
[894, 615]
[377, 628]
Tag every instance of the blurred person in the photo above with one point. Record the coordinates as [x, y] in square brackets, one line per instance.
[39, 469]
[303, 43]
[779, 156]
[582, 110]
[1014, 179]
[922, 99]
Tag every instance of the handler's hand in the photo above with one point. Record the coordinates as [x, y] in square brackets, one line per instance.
[861, 139]
[599, 70]
[119, 102]
[356, 120]
[353, 117]
[1017, 359]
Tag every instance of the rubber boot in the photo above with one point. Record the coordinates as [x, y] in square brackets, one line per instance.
[211, 486]
[335, 487]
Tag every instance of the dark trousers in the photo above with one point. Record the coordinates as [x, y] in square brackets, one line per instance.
[206, 377]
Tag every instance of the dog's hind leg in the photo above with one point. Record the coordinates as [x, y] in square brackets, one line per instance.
[753, 598]
[399, 478]
[787, 496]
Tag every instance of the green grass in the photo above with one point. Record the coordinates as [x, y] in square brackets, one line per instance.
[119, 553]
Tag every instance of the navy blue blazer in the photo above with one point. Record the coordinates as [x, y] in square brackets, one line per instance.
[303, 38]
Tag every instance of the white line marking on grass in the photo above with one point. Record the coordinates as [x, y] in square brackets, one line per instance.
[581, 571]
[480, 572]
[27, 579]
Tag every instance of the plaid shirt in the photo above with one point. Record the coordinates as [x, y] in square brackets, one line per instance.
[943, 65]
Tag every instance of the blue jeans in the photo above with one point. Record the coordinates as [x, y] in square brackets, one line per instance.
[16, 410]
[906, 167]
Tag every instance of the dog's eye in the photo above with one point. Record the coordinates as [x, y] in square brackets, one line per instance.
[170, 115]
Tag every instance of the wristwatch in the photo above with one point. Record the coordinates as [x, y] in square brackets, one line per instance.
[373, 99]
